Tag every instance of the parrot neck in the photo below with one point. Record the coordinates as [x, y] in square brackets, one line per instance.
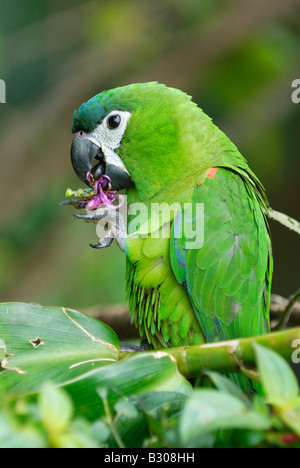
[179, 190]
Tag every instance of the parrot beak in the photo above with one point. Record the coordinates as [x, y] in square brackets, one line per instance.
[84, 155]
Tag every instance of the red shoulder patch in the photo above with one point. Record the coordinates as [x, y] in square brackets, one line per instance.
[212, 172]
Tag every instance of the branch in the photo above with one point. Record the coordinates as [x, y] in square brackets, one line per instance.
[285, 220]
[285, 316]
[231, 356]
[117, 316]
[119, 319]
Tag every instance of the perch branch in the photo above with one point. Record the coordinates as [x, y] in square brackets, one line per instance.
[231, 356]
[285, 220]
[118, 318]
[285, 316]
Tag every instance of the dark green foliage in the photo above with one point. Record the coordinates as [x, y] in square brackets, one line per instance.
[138, 401]
[220, 417]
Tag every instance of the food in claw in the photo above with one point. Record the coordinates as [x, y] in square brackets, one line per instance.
[92, 198]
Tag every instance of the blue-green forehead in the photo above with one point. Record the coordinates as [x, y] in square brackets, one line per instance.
[91, 113]
[126, 98]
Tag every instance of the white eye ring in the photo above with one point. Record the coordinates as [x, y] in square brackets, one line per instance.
[109, 133]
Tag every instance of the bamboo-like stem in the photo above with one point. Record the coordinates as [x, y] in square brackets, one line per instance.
[231, 356]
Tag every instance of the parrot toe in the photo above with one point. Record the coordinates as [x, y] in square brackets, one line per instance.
[103, 243]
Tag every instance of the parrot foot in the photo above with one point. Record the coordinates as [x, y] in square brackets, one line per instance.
[110, 225]
[128, 347]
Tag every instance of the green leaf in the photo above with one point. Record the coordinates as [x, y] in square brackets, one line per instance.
[277, 377]
[2, 350]
[211, 410]
[80, 435]
[143, 372]
[155, 408]
[156, 403]
[228, 386]
[100, 431]
[290, 415]
[50, 343]
[126, 409]
[56, 409]
[14, 435]
[244, 438]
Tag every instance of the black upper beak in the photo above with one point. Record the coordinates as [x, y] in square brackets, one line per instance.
[84, 154]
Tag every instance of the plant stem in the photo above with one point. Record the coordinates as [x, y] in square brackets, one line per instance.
[231, 356]
[111, 423]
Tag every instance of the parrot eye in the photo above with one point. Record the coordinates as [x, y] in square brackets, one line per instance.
[109, 133]
[114, 121]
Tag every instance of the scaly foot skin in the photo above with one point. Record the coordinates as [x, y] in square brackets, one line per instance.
[109, 216]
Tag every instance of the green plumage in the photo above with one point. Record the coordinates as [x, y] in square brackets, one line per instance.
[180, 296]
[228, 278]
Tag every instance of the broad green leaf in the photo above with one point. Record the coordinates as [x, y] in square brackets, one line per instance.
[143, 372]
[2, 350]
[278, 379]
[210, 410]
[50, 343]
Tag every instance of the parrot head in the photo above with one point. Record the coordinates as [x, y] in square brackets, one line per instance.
[136, 135]
[150, 139]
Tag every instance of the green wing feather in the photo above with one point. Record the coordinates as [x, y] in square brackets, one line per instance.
[228, 279]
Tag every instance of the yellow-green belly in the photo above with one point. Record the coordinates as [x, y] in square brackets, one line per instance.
[160, 306]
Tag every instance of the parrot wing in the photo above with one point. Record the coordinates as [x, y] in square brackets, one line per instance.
[228, 278]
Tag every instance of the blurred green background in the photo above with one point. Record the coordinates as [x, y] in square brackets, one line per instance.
[236, 58]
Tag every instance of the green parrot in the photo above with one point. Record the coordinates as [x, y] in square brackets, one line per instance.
[153, 141]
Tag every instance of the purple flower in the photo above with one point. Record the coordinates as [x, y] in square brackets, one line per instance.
[103, 194]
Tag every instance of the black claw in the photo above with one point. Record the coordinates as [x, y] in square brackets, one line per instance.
[103, 243]
[68, 202]
[90, 217]
[83, 216]
[97, 246]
